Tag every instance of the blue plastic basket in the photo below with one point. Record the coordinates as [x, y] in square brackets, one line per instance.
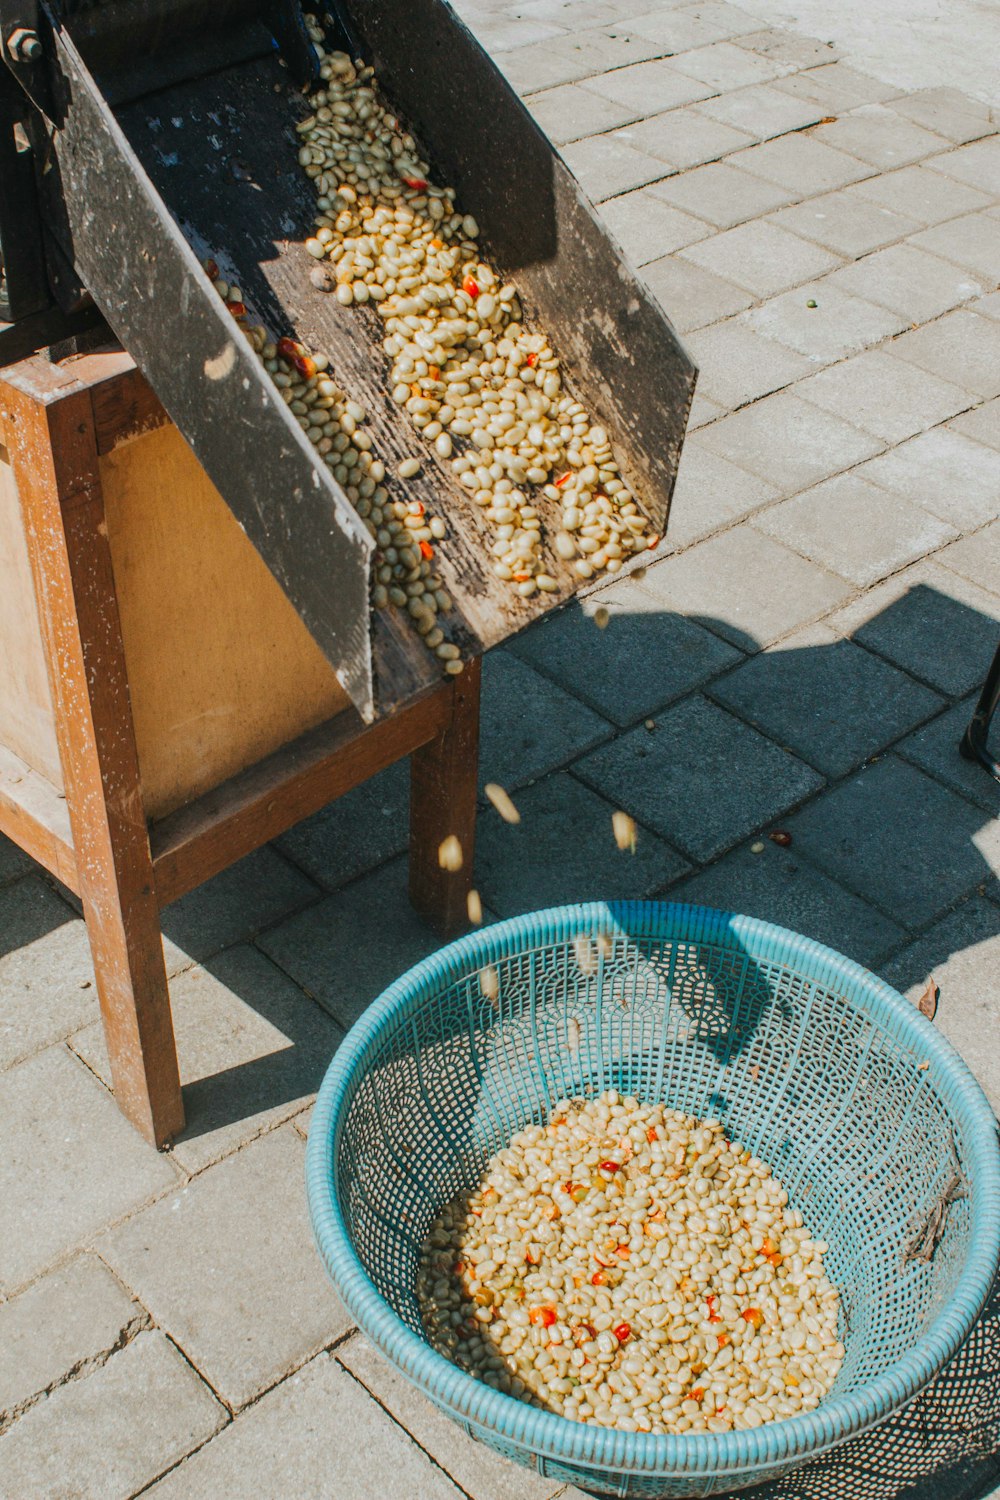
[868, 1116]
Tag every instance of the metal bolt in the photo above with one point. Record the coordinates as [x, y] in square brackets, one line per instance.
[23, 44]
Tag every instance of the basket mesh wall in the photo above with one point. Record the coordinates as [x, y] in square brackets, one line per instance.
[843, 1114]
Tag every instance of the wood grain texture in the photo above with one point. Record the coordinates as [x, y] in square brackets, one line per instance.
[221, 670]
[27, 721]
[33, 813]
[49, 425]
[209, 835]
[443, 785]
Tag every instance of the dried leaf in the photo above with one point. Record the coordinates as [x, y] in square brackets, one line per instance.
[928, 1002]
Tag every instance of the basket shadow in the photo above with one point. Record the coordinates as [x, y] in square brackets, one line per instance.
[944, 1446]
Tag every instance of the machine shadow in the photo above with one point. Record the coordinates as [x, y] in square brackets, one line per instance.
[944, 1446]
[563, 858]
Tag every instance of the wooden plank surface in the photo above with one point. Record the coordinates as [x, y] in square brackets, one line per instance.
[50, 428]
[27, 723]
[198, 841]
[444, 776]
[221, 669]
[33, 813]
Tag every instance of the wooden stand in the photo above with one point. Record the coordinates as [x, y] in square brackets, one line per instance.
[163, 711]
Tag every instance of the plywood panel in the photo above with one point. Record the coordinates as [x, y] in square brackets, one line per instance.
[27, 725]
[221, 669]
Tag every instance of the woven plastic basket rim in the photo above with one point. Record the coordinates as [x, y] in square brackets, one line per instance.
[559, 1439]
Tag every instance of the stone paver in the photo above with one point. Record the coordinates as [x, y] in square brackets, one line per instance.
[854, 528]
[604, 166]
[649, 87]
[344, 951]
[70, 1162]
[921, 194]
[762, 258]
[112, 1432]
[703, 780]
[354, 834]
[977, 557]
[681, 29]
[722, 194]
[13, 863]
[46, 978]
[482, 1474]
[888, 397]
[909, 282]
[982, 424]
[823, 322]
[931, 622]
[690, 296]
[947, 112]
[829, 700]
[588, 661]
[227, 1268]
[724, 66]
[845, 223]
[702, 412]
[789, 442]
[564, 850]
[787, 46]
[714, 577]
[803, 165]
[252, 1049]
[528, 726]
[838, 87]
[934, 748]
[900, 840]
[970, 241]
[60, 1327]
[978, 164]
[949, 474]
[879, 135]
[961, 347]
[761, 111]
[683, 138]
[711, 493]
[570, 112]
[962, 952]
[252, 894]
[647, 228]
[344, 1444]
[778, 886]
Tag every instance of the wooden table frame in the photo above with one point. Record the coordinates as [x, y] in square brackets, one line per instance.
[96, 838]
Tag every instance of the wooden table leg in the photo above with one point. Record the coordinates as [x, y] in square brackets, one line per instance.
[54, 454]
[443, 779]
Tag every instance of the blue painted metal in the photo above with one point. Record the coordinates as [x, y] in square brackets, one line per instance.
[867, 1115]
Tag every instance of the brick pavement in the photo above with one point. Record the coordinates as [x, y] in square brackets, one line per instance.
[805, 649]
